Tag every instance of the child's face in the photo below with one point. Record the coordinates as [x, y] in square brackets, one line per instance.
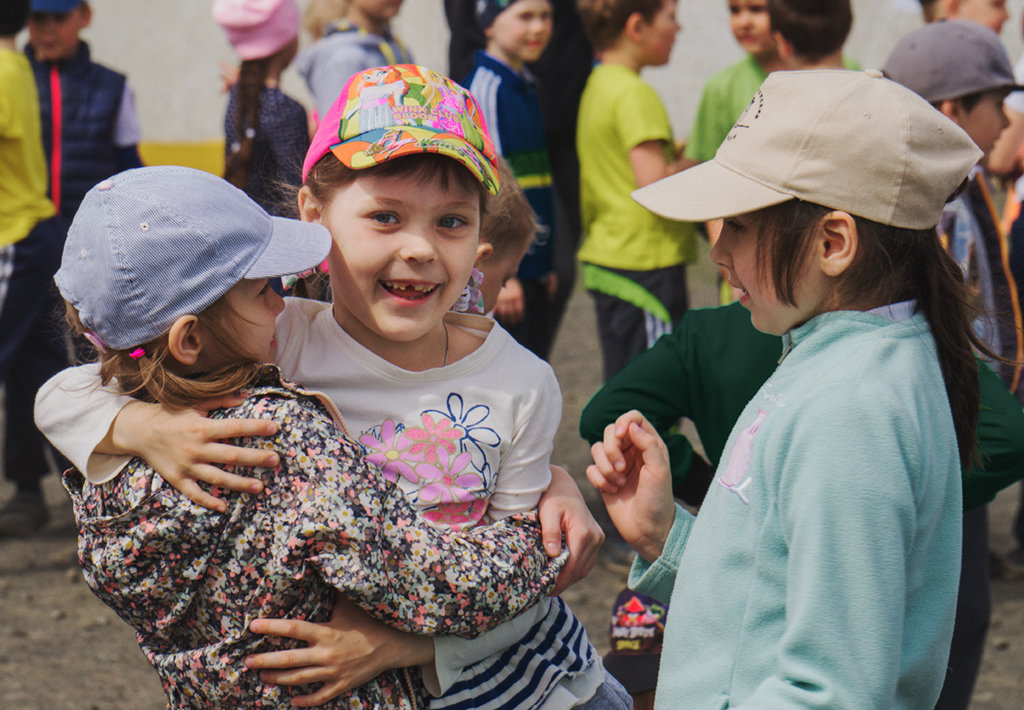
[404, 249]
[520, 32]
[497, 270]
[991, 13]
[736, 252]
[748, 20]
[659, 35]
[986, 119]
[54, 36]
[254, 308]
[376, 10]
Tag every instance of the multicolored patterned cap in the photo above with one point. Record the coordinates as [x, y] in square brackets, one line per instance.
[392, 111]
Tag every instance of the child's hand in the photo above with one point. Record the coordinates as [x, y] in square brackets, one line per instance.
[631, 470]
[349, 650]
[183, 445]
[562, 509]
[511, 305]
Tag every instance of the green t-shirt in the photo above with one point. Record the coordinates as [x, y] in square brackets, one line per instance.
[726, 93]
[619, 111]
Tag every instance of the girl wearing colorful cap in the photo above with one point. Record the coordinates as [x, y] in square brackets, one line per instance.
[166, 271]
[822, 568]
[447, 404]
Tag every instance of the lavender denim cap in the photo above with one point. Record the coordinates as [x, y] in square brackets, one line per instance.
[950, 59]
[636, 633]
[851, 141]
[57, 7]
[152, 244]
[388, 112]
[257, 28]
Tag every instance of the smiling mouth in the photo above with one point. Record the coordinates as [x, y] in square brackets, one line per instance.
[411, 291]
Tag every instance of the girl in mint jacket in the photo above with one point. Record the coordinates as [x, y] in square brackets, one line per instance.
[822, 568]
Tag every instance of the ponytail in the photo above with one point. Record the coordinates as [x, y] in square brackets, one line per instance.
[252, 77]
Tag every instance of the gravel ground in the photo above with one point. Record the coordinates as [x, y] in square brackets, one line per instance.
[62, 649]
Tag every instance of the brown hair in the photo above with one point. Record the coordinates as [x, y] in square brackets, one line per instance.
[892, 265]
[509, 224]
[156, 376]
[815, 28]
[251, 77]
[604, 20]
[329, 174]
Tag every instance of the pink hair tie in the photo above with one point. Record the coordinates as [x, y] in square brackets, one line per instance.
[136, 353]
[95, 340]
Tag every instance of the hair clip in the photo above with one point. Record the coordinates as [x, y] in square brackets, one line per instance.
[136, 353]
[95, 340]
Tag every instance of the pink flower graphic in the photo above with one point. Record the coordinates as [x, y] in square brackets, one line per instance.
[433, 437]
[451, 480]
[391, 453]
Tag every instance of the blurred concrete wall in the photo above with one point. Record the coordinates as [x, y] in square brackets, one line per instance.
[171, 52]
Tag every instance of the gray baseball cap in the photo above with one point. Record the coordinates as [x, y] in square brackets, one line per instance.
[152, 244]
[950, 59]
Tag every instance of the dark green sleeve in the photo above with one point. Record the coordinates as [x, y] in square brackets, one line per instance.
[655, 383]
[1000, 441]
[706, 370]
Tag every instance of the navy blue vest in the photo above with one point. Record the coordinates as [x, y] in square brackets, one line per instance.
[91, 96]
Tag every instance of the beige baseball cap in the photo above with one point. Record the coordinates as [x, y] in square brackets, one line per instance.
[852, 141]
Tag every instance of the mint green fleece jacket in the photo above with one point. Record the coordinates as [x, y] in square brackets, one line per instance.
[822, 569]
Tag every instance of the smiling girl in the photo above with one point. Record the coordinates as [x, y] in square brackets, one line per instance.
[822, 568]
[446, 404]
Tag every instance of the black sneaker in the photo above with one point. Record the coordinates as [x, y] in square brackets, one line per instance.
[24, 515]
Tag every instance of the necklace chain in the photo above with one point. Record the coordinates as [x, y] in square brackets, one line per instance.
[445, 326]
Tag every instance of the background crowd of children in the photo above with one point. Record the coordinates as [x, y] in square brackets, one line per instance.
[579, 130]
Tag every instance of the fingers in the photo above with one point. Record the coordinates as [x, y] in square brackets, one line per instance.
[272, 661]
[197, 495]
[217, 429]
[290, 628]
[584, 543]
[220, 478]
[228, 455]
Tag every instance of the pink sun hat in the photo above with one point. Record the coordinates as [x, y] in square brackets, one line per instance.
[257, 28]
[392, 111]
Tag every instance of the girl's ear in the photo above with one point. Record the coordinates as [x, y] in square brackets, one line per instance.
[836, 243]
[483, 252]
[310, 209]
[783, 47]
[184, 340]
[951, 109]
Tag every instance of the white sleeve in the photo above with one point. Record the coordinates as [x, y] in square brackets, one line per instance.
[525, 471]
[75, 413]
[127, 131]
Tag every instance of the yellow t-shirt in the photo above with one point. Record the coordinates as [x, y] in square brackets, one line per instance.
[23, 173]
[618, 111]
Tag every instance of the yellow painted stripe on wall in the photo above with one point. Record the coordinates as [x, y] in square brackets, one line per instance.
[204, 155]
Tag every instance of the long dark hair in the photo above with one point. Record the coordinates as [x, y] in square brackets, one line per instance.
[892, 265]
[252, 77]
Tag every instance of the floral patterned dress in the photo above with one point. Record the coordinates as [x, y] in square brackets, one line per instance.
[189, 580]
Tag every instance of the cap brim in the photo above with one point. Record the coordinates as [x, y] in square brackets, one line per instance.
[294, 246]
[380, 145]
[705, 192]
